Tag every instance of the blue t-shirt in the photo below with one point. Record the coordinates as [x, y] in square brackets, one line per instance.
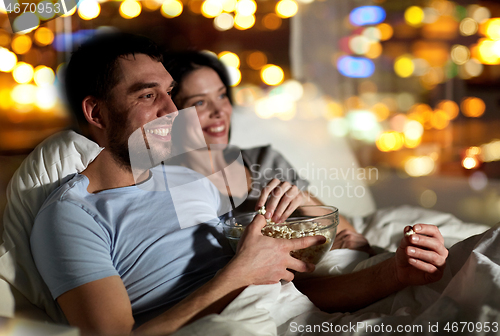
[133, 232]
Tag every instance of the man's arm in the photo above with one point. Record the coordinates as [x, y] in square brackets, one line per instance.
[420, 259]
[103, 307]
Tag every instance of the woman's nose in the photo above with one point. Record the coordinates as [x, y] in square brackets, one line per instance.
[218, 108]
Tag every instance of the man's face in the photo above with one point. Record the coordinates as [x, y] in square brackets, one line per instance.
[141, 96]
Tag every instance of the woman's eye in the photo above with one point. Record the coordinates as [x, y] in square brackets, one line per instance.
[199, 103]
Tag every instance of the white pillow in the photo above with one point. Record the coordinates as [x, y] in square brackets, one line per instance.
[51, 164]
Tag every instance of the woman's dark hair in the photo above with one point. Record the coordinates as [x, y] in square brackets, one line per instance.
[181, 64]
[92, 68]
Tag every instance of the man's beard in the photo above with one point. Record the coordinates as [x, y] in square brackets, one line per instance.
[118, 134]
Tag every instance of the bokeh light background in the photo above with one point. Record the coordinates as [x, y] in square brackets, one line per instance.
[412, 84]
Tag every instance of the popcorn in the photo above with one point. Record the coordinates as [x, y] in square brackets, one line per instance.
[312, 254]
[409, 232]
[262, 210]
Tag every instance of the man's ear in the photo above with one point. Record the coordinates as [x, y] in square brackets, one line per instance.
[92, 111]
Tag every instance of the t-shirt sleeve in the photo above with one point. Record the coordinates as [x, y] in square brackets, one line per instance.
[69, 247]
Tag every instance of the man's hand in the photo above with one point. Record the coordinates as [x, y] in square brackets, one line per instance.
[264, 260]
[284, 198]
[348, 239]
[421, 257]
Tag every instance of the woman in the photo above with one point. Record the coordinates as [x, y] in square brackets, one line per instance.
[202, 82]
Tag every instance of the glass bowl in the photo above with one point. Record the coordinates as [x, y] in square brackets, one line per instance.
[308, 220]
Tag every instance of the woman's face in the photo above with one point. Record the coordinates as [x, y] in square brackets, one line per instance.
[204, 90]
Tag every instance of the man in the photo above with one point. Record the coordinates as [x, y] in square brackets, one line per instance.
[114, 255]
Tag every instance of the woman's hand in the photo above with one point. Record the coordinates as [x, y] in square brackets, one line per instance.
[347, 239]
[421, 257]
[284, 198]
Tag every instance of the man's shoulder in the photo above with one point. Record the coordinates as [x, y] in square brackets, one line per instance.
[69, 191]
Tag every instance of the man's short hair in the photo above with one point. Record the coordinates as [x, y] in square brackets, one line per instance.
[92, 70]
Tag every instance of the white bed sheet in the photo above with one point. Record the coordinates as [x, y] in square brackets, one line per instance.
[468, 292]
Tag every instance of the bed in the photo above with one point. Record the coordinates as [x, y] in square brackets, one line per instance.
[272, 309]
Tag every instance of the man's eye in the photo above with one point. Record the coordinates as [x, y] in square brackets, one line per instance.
[148, 95]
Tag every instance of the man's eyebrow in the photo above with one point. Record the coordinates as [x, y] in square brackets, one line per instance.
[142, 85]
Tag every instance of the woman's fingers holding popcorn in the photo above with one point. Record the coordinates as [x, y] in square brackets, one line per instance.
[290, 201]
[265, 193]
[280, 198]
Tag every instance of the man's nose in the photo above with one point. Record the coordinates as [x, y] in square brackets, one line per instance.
[168, 107]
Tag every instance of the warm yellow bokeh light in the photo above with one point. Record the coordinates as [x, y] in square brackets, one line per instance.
[491, 151]
[412, 143]
[23, 73]
[460, 54]
[470, 162]
[468, 27]
[381, 111]
[229, 5]
[472, 151]
[152, 5]
[386, 31]
[21, 44]
[4, 38]
[272, 74]
[211, 8]
[404, 66]
[286, 8]
[390, 141]
[374, 50]
[473, 107]
[489, 51]
[450, 107]
[44, 75]
[244, 22]
[246, 7]
[70, 12]
[24, 94]
[171, 8]
[46, 97]
[224, 21]
[419, 166]
[440, 120]
[333, 110]
[8, 60]
[414, 16]
[271, 21]
[234, 75]
[413, 130]
[44, 36]
[130, 9]
[5, 98]
[229, 59]
[492, 28]
[89, 9]
[256, 60]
